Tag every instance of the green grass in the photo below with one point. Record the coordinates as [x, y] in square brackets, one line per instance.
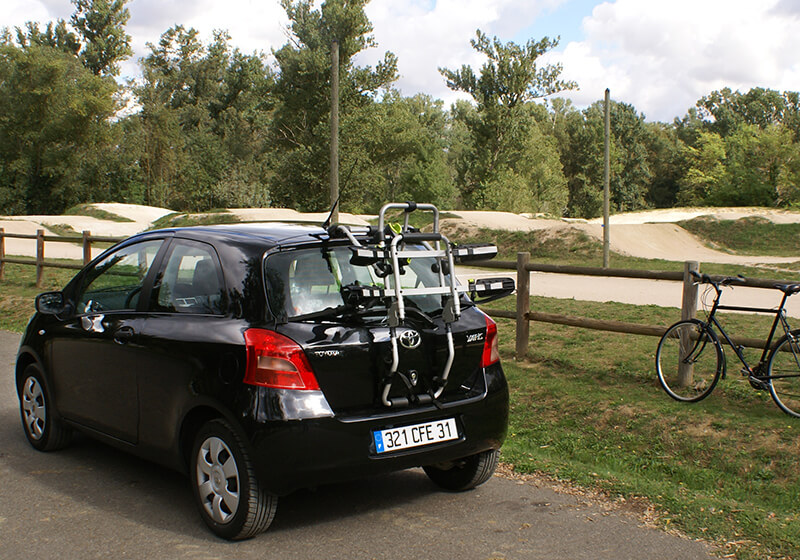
[586, 408]
[747, 236]
[18, 291]
[94, 212]
[212, 217]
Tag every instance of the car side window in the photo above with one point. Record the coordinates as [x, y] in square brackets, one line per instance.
[191, 281]
[115, 282]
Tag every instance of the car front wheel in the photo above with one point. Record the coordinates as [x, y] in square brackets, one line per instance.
[464, 474]
[43, 428]
[226, 489]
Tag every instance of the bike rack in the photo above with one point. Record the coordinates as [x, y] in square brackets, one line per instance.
[386, 249]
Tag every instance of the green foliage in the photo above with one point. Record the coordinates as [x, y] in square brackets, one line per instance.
[201, 135]
[510, 164]
[748, 236]
[300, 129]
[214, 127]
[101, 25]
[54, 130]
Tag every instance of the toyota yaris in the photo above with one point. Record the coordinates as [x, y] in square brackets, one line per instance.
[262, 358]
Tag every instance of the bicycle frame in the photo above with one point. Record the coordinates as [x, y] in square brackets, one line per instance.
[780, 318]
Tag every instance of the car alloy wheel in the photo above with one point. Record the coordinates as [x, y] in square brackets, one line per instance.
[229, 496]
[218, 479]
[34, 408]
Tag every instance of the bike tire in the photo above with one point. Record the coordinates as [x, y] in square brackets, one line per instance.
[783, 373]
[704, 356]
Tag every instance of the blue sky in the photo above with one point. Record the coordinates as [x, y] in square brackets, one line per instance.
[660, 56]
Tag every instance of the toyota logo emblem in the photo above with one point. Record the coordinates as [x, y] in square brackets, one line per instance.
[410, 339]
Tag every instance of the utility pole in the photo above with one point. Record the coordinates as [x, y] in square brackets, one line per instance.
[606, 181]
[335, 130]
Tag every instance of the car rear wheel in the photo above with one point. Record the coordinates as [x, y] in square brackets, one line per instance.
[43, 428]
[464, 474]
[228, 495]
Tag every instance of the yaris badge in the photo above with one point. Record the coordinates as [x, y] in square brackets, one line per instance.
[410, 339]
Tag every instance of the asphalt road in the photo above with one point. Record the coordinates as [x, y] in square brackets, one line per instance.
[91, 501]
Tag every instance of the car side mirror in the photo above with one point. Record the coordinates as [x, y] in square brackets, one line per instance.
[484, 290]
[52, 303]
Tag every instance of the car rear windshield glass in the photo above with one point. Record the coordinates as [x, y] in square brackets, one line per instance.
[310, 280]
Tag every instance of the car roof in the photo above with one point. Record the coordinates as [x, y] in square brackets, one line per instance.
[270, 233]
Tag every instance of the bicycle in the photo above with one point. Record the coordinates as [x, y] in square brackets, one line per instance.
[690, 359]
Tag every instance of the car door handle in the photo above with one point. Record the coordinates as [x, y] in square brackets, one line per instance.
[123, 335]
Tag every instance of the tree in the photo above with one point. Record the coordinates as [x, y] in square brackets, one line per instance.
[57, 122]
[499, 170]
[583, 159]
[101, 25]
[724, 111]
[706, 170]
[761, 166]
[301, 128]
[204, 110]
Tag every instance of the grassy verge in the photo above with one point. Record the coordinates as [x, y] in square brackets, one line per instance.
[18, 291]
[94, 212]
[747, 236]
[212, 217]
[586, 408]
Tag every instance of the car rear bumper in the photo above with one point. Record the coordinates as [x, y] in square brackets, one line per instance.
[293, 454]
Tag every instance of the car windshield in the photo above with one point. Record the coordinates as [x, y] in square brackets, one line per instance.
[310, 280]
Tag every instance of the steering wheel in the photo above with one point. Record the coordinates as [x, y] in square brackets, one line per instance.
[131, 295]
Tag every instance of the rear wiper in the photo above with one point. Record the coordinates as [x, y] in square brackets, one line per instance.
[327, 313]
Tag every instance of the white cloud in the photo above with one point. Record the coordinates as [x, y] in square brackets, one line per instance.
[662, 56]
[427, 35]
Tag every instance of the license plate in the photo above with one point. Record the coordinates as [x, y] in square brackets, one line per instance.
[406, 437]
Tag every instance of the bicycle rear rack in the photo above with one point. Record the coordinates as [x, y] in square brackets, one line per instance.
[387, 250]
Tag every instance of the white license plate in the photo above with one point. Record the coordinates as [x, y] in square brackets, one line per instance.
[417, 435]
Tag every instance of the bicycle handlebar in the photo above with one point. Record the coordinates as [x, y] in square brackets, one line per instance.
[724, 281]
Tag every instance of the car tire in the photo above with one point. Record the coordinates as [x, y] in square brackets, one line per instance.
[226, 489]
[464, 474]
[40, 421]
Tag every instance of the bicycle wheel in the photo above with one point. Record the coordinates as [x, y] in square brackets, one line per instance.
[689, 361]
[783, 373]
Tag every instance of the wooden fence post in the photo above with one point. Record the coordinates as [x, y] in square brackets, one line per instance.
[688, 311]
[39, 257]
[87, 247]
[2, 253]
[689, 301]
[523, 305]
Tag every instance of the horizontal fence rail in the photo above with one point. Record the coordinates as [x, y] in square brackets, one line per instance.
[86, 239]
[523, 314]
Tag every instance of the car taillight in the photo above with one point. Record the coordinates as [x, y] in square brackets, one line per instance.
[274, 360]
[491, 351]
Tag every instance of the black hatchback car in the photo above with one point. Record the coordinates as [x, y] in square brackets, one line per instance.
[262, 358]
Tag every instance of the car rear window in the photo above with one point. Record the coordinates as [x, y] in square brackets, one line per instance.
[310, 280]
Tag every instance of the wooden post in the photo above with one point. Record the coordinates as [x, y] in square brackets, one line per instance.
[39, 257]
[689, 301]
[523, 305]
[87, 247]
[688, 311]
[606, 180]
[2, 253]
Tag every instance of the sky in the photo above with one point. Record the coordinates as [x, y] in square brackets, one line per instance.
[660, 56]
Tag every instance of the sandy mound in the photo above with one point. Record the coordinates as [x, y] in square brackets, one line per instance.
[289, 215]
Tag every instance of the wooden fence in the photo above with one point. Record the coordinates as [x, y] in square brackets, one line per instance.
[86, 240]
[523, 314]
